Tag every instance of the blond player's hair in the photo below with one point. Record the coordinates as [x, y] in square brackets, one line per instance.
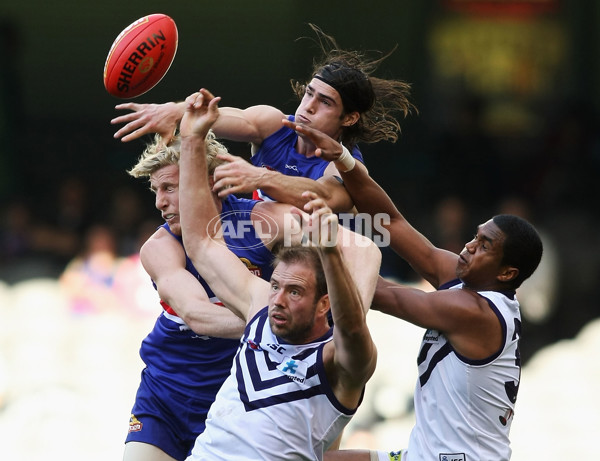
[158, 155]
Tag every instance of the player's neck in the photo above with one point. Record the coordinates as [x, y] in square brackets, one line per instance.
[306, 148]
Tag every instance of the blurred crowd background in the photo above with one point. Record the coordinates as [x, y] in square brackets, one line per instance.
[508, 121]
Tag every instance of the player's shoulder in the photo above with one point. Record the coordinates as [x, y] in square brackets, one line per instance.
[264, 110]
[465, 302]
[271, 212]
[160, 242]
[271, 207]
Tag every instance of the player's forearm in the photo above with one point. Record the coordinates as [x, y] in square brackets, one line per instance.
[212, 320]
[289, 189]
[390, 298]
[363, 260]
[197, 207]
[368, 196]
[353, 342]
[346, 303]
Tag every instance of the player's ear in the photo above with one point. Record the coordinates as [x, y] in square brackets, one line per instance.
[507, 274]
[351, 118]
[323, 305]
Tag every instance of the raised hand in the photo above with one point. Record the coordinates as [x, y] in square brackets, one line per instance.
[327, 148]
[148, 119]
[201, 112]
[319, 224]
[236, 176]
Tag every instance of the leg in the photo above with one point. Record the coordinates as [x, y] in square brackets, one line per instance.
[139, 451]
[347, 455]
[363, 455]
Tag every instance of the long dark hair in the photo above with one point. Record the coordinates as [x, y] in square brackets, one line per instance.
[376, 99]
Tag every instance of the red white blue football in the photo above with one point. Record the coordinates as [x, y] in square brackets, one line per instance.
[140, 56]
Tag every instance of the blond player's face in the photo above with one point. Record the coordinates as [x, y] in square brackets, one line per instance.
[165, 185]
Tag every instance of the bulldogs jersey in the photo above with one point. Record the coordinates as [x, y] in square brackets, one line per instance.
[278, 152]
[162, 348]
[183, 371]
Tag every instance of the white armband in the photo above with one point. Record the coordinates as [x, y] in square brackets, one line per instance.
[346, 160]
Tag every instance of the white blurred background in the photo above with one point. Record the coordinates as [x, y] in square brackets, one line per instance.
[68, 378]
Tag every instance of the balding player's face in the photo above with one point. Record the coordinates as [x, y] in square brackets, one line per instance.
[292, 303]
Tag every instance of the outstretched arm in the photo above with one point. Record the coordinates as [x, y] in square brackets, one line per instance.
[227, 276]
[251, 125]
[361, 255]
[239, 176]
[435, 265]
[245, 125]
[463, 316]
[350, 360]
[363, 260]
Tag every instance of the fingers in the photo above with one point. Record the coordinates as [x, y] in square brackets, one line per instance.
[194, 101]
[315, 203]
[127, 105]
[292, 125]
[320, 227]
[207, 95]
[133, 135]
[299, 214]
[124, 118]
[203, 99]
[221, 184]
[133, 115]
[213, 105]
[135, 122]
[225, 186]
[224, 191]
[302, 130]
[227, 157]
[131, 127]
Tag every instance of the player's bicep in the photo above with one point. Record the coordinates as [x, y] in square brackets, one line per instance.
[163, 259]
[276, 223]
[251, 125]
[445, 310]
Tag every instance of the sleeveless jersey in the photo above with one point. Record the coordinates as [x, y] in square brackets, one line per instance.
[464, 407]
[275, 405]
[177, 359]
[278, 152]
